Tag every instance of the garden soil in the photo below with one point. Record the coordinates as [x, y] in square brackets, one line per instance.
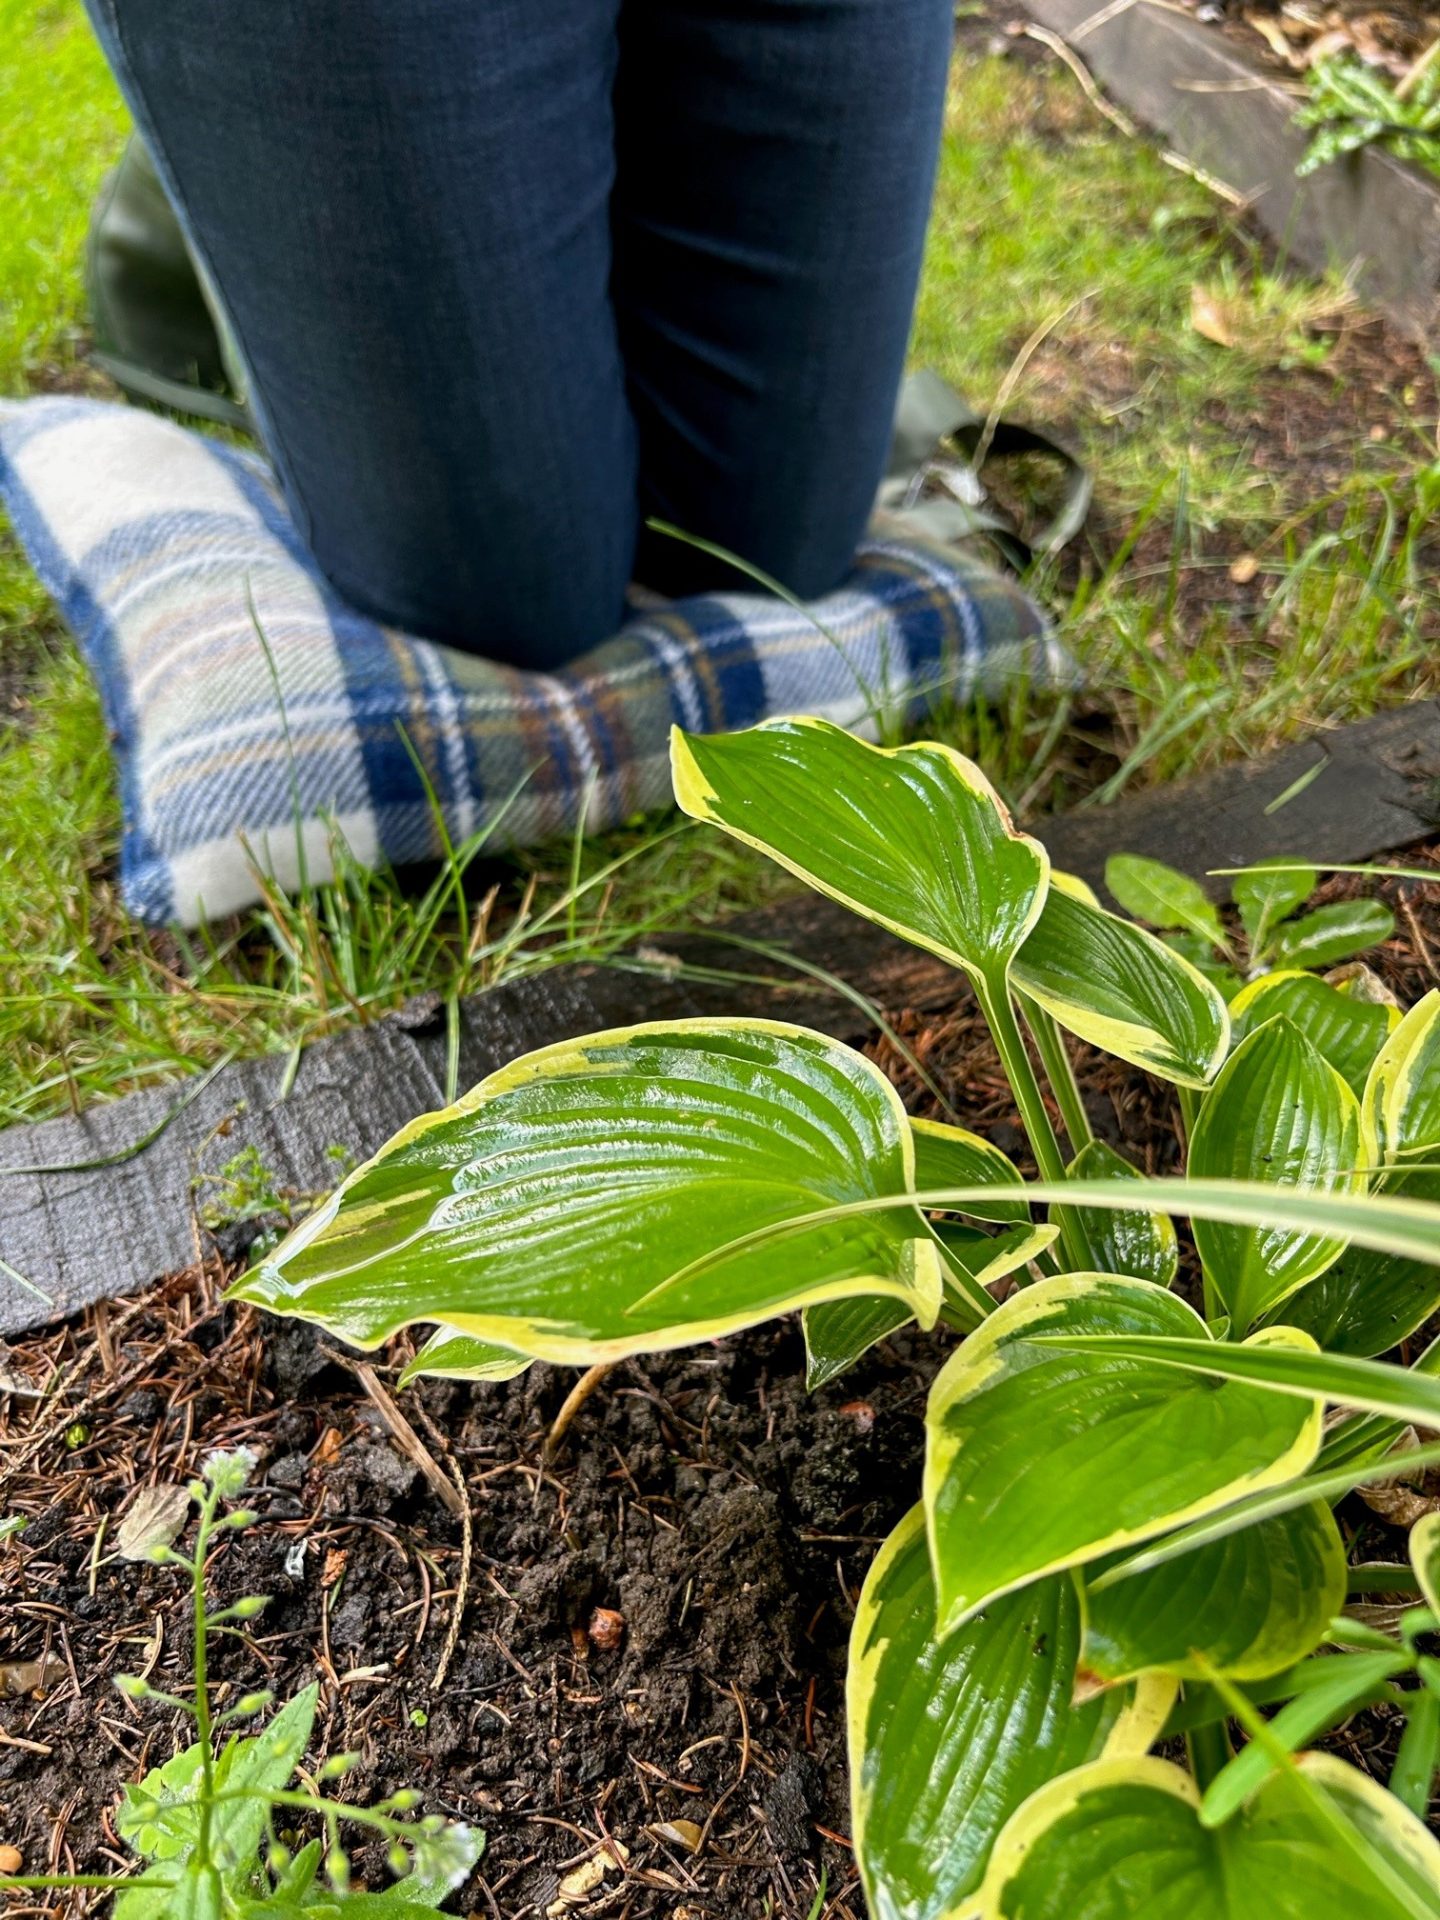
[623, 1657]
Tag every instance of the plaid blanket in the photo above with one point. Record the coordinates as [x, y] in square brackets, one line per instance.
[238, 688]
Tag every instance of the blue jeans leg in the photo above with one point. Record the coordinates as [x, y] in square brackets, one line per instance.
[487, 334]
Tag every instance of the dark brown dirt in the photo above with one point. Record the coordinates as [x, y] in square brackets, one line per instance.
[723, 1513]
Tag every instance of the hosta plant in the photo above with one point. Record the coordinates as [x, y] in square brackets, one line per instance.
[1125, 1531]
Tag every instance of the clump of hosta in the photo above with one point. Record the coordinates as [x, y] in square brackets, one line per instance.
[206, 1825]
[1124, 1534]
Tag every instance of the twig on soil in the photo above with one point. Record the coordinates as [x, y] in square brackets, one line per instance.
[573, 1402]
[409, 1442]
[462, 1585]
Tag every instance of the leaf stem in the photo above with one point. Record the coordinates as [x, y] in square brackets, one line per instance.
[1060, 1072]
[1208, 1748]
[999, 1012]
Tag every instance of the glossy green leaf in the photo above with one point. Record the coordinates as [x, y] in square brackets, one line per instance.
[837, 1332]
[1370, 1301]
[1329, 1482]
[1111, 983]
[1162, 897]
[948, 1737]
[1345, 1030]
[1248, 1604]
[1032, 1461]
[1287, 1365]
[1425, 1557]
[948, 1156]
[548, 1209]
[1268, 893]
[1278, 1114]
[450, 1354]
[914, 837]
[1195, 948]
[1141, 1244]
[1121, 1839]
[1331, 934]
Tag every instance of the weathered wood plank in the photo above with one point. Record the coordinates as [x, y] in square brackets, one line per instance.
[1226, 114]
[81, 1236]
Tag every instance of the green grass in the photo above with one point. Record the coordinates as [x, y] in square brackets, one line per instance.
[1065, 264]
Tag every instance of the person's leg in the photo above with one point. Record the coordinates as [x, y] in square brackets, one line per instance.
[776, 160]
[404, 209]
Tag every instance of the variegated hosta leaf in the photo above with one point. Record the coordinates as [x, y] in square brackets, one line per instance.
[1249, 1604]
[1425, 1558]
[1344, 1029]
[1122, 1838]
[1162, 896]
[1034, 1463]
[837, 1332]
[558, 1208]
[451, 1355]
[1368, 1302]
[1282, 1115]
[1111, 983]
[948, 1737]
[1333, 933]
[1268, 893]
[948, 1156]
[914, 838]
[1140, 1244]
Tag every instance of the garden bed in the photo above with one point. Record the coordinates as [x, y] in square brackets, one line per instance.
[696, 1744]
[1211, 90]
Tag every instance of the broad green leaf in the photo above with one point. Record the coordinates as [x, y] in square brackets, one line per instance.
[1247, 1605]
[1268, 893]
[1370, 1301]
[1345, 1030]
[948, 1156]
[1425, 1557]
[914, 837]
[1402, 1096]
[1111, 983]
[1367, 1302]
[948, 1737]
[548, 1210]
[1407, 1228]
[1331, 934]
[1122, 1838]
[837, 1332]
[1278, 1113]
[450, 1354]
[193, 1893]
[1162, 897]
[1141, 1244]
[1033, 1463]
[1279, 1358]
[1195, 948]
[1328, 1483]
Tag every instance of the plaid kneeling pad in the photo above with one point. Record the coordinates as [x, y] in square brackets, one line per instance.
[171, 556]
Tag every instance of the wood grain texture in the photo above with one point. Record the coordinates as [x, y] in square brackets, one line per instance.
[81, 1236]
[1222, 111]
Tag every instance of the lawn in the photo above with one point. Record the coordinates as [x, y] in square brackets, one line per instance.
[1267, 469]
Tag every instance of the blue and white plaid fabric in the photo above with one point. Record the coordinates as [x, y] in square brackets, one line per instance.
[170, 556]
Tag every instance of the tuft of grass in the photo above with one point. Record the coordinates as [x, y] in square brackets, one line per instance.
[1231, 594]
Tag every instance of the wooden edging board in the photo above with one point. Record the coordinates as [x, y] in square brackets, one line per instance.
[1224, 112]
[105, 1231]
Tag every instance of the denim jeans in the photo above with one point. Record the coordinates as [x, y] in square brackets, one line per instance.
[512, 277]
